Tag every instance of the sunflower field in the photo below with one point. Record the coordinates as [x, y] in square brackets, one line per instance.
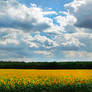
[32, 80]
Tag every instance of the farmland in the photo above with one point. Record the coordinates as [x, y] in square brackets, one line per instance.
[33, 80]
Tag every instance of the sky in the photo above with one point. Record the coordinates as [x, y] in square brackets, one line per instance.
[42, 30]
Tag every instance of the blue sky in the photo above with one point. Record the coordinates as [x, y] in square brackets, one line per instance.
[56, 5]
[42, 30]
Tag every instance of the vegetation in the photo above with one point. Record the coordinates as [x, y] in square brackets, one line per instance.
[46, 65]
[21, 80]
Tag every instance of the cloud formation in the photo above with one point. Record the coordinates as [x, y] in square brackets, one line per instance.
[81, 9]
[18, 16]
[32, 33]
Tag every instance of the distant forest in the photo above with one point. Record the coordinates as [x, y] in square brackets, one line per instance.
[45, 65]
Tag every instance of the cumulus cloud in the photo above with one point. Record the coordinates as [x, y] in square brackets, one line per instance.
[81, 9]
[47, 53]
[76, 39]
[75, 26]
[18, 16]
[50, 13]
[39, 41]
[81, 55]
[8, 37]
[30, 34]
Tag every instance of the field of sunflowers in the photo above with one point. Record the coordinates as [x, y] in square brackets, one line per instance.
[31, 80]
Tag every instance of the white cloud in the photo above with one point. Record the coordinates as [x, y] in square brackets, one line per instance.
[81, 9]
[75, 25]
[66, 21]
[78, 55]
[46, 53]
[69, 42]
[39, 41]
[50, 13]
[28, 33]
[75, 5]
[8, 37]
[69, 19]
[18, 16]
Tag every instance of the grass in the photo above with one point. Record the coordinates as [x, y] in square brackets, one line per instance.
[17, 80]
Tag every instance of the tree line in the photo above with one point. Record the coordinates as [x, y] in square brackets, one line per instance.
[45, 65]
